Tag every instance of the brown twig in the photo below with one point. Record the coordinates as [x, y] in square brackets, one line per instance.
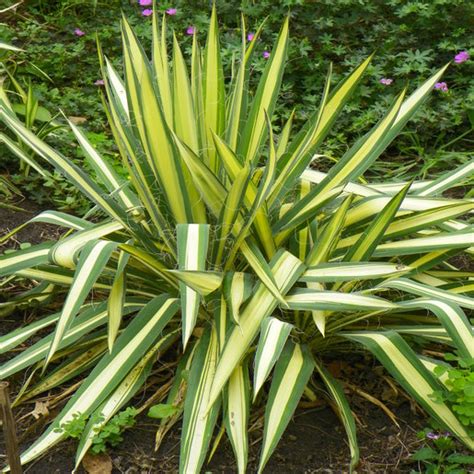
[11, 442]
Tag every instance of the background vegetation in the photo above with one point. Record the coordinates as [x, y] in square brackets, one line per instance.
[411, 39]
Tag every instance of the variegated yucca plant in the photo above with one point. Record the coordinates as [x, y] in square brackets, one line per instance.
[227, 238]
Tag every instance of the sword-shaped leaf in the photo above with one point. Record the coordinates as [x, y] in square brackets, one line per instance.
[198, 424]
[454, 321]
[345, 413]
[255, 130]
[237, 414]
[26, 258]
[347, 271]
[117, 298]
[193, 240]
[403, 364]
[237, 289]
[92, 261]
[308, 299]
[419, 289]
[292, 372]
[128, 350]
[286, 270]
[92, 317]
[273, 336]
[364, 247]
[203, 283]
[121, 395]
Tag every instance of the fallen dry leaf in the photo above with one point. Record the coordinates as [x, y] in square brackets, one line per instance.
[77, 120]
[97, 463]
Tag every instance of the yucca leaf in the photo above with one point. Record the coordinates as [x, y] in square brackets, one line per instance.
[292, 372]
[403, 364]
[62, 219]
[64, 252]
[308, 299]
[66, 371]
[419, 245]
[255, 130]
[230, 212]
[121, 395]
[193, 240]
[110, 371]
[454, 321]
[414, 222]
[292, 164]
[233, 167]
[365, 246]
[273, 336]
[93, 259]
[263, 190]
[67, 167]
[286, 270]
[201, 282]
[447, 180]
[213, 89]
[16, 337]
[237, 289]
[117, 298]
[237, 414]
[161, 69]
[345, 413]
[354, 162]
[198, 424]
[106, 173]
[347, 271]
[21, 259]
[323, 246]
[372, 205]
[419, 289]
[153, 131]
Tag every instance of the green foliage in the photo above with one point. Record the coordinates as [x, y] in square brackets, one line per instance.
[460, 383]
[106, 435]
[163, 410]
[439, 455]
[75, 427]
[110, 434]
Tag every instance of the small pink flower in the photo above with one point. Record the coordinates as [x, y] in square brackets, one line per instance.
[145, 3]
[99, 82]
[147, 12]
[441, 86]
[266, 54]
[171, 11]
[250, 36]
[79, 32]
[461, 57]
[386, 81]
[191, 30]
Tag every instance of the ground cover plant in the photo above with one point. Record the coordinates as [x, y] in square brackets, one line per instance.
[225, 237]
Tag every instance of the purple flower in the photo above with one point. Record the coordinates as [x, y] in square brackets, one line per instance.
[441, 86]
[171, 11]
[145, 3]
[386, 81]
[147, 12]
[266, 54]
[432, 435]
[99, 82]
[191, 30]
[461, 57]
[250, 36]
[79, 32]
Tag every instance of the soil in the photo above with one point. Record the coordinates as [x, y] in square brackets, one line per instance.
[33, 233]
[314, 442]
